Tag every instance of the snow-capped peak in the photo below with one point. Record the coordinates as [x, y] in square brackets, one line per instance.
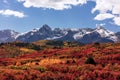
[13, 33]
[7, 35]
[106, 33]
[103, 32]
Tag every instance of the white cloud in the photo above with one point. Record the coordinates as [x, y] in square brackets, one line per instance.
[5, 1]
[108, 9]
[52, 4]
[104, 6]
[101, 24]
[104, 16]
[117, 21]
[9, 12]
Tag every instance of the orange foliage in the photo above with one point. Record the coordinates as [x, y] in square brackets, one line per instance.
[64, 64]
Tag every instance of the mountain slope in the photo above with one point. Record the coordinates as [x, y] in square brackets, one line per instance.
[118, 35]
[93, 37]
[7, 35]
[85, 35]
[36, 34]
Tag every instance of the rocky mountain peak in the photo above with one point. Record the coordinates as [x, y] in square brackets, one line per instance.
[45, 27]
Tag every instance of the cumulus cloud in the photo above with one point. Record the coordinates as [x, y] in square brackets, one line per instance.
[52, 4]
[104, 16]
[9, 12]
[117, 20]
[108, 9]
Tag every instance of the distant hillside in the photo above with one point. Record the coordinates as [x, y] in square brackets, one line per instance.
[56, 44]
[14, 49]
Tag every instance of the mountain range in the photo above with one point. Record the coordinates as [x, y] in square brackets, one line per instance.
[84, 35]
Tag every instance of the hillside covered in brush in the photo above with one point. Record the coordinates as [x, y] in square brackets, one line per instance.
[32, 61]
[13, 49]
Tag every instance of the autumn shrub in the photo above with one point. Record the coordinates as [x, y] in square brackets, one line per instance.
[55, 54]
[118, 77]
[61, 57]
[44, 56]
[18, 67]
[68, 62]
[7, 76]
[41, 69]
[73, 61]
[47, 76]
[90, 60]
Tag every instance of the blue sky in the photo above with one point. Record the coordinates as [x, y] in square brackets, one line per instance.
[25, 15]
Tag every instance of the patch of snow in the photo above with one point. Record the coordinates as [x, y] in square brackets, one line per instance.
[20, 34]
[78, 35]
[81, 33]
[32, 33]
[55, 37]
[13, 33]
[74, 29]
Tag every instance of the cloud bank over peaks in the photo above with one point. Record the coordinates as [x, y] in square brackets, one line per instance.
[52, 4]
[108, 9]
[9, 12]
